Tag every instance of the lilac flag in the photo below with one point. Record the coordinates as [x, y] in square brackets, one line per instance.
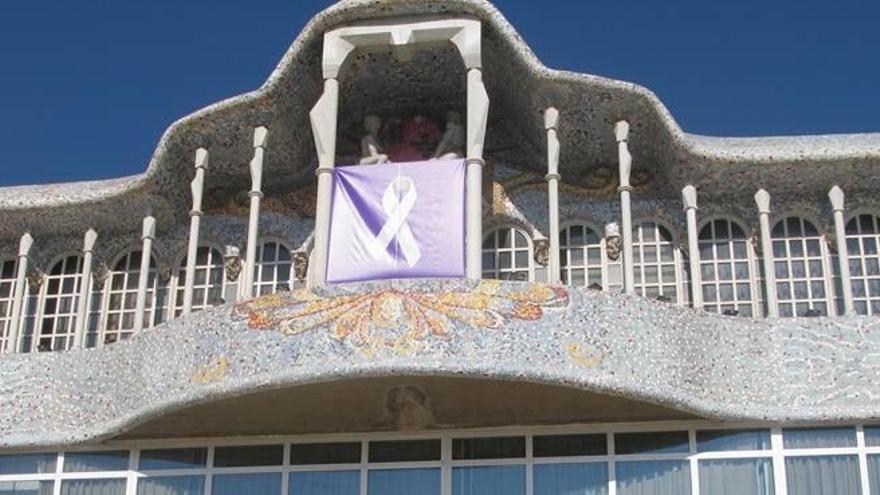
[397, 220]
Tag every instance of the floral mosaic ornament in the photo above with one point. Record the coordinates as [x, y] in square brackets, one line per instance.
[399, 319]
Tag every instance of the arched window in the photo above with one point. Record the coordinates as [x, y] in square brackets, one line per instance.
[120, 297]
[726, 268]
[862, 245]
[580, 256]
[57, 322]
[507, 254]
[799, 264]
[272, 271]
[207, 283]
[655, 262]
[7, 290]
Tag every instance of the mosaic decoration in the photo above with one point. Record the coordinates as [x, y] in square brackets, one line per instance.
[598, 182]
[398, 319]
[214, 371]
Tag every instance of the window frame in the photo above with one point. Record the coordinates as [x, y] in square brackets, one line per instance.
[255, 283]
[176, 283]
[677, 258]
[854, 215]
[824, 257]
[513, 228]
[752, 258]
[565, 266]
[40, 312]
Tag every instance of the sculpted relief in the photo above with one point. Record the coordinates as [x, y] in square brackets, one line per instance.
[410, 140]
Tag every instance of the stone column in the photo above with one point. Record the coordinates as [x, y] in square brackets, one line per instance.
[82, 310]
[762, 199]
[147, 236]
[260, 135]
[835, 195]
[621, 134]
[18, 300]
[551, 120]
[197, 186]
[477, 114]
[689, 198]
[323, 117]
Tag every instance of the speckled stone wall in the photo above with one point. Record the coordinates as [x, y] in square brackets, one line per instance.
[716, 367]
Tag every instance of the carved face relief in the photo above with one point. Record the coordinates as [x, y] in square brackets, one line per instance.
[300, 265]
[35, 279]
[613, 247]
[233, 267]
[542, 251]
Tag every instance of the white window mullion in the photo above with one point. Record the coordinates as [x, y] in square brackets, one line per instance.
[863, 460]
[779, 482]
[694, 462]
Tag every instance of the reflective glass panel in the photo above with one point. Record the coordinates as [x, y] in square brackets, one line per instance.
[26, 487]
[110, 460]
[173, 458]
[653, 477]
[489, 480]
[737, 476]
[567, 445]
[571, 479]
[325, 453]
[249, 484]
[325, 483]
[255, 455]
[404, 482]
[718, 440]
[405, 451]
[27, 463]
[171, 485]
[488, 448]
[93, 487]
[807, 438]
[654, 443]
[822, 475]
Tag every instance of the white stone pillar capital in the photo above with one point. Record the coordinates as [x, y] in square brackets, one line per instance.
[762, 199]
[25, 244]
[89, 240]
[621, 131]
[148, 229]
[836, 197]
[689, 197]
[551, 118]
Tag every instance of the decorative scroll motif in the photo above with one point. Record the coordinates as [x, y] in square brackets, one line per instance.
[601, 181]
[397, 320]
[35, 278]
[99, 274]
[542, 252]
[300, 265]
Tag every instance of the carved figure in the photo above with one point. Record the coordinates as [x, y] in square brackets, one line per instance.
[612, 241]
[371, 149]
[452, 143]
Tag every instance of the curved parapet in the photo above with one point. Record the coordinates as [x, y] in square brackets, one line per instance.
[518, 84]
[670, 357]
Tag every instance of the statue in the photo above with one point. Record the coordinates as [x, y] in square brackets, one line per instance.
[371, 150]
[452, 143]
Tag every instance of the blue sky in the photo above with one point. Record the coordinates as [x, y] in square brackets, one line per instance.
[88, 87]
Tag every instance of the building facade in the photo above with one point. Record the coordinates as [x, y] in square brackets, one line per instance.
[644, 311]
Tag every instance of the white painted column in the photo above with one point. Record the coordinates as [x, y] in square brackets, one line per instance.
[762, 199]
[323, 117]
[621, 134]
[147, 235]
[197, 186]
[835, 195]
[689, 198]
[477, 115]
[85, 286]
[551, 121]
[256, 194]
[18, 300]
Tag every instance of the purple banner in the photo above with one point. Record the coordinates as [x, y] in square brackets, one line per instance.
[397, 220]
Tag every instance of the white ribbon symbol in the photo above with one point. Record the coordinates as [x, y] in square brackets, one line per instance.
[397, 209]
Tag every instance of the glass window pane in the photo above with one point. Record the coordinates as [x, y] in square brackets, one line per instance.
[650, 477]
[821, 475]
[874, 473]
[405, 450]
[718, 440]
[93, 487]
[173, 458]
[805, 438]
[872, 436]
[26, 487]
[737, 476]
[655, 443]
[255, 455]
[110, 460]
[250, 484]
[489, 480]
[568, 445]
[325, 483]
[571, 479]
[403, 482]
[325, 453]
[488, 448]
[171, 485]
[27, 463]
